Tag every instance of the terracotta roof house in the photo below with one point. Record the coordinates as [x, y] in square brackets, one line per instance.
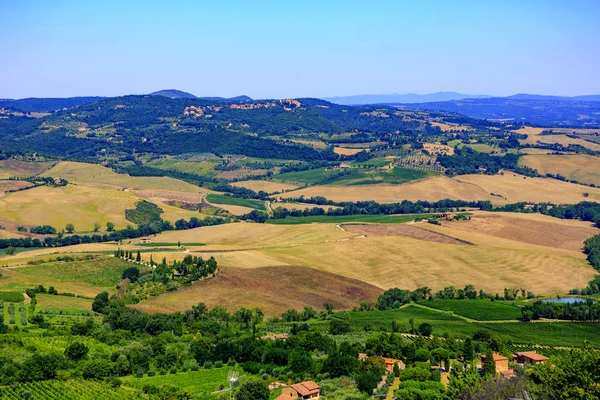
[302, 390]
[275, 336]
[389, 362]
[529, 357]
[501, 364]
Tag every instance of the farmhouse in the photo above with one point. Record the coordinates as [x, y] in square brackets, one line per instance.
[529, 357]
[501, 364]
[145, 240]
[302, 390]
[389, 362]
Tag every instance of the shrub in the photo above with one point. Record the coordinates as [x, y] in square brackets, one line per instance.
[151, 372]
[219, 364]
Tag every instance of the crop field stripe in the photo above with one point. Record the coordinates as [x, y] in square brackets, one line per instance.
[382, 219]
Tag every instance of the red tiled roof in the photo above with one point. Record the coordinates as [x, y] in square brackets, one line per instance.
[532, 355]
[497, 357]
[306, 388]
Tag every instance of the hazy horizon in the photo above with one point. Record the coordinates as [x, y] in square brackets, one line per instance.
[309, 49]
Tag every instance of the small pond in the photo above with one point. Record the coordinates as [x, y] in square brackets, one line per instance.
[568, 300]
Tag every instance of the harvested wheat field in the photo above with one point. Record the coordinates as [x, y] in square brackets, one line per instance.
[528, 130]
[168, 195]
[515, 188]
[253, 236]
[266, 186]
[7, 186]
[431, 189]
[542, 233]
[560, 139]
[579, 167]
[102, 177]
[395, 261]
[272, 289]
[345, 151]
[241, 173]
[80, 205]
[406, 230]
[22, 169]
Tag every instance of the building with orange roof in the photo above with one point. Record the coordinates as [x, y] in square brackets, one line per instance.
[501, 363]
[302, 390]
[529, 357]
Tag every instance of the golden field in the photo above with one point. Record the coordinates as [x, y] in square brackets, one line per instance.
[579, 167]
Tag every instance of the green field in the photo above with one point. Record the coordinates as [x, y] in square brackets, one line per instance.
[235, 201]
[481, 310]
[395, 176]
[309, 177]
[336, 219]
[11, 297]
[374, 162]
[19, 250]
[101, 271]
[205, 167]
[203, 381]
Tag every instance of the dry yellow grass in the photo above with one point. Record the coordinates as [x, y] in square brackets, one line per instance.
[347, 151]
[515, 188]
[435, 148]
[528, 130]
[582, 168]
[560, 139]
[80, 205]
[255, 236]
[545, 266]
[446, 127]
[102, 177]
[431, 189]
[22, 169]
[266, 186]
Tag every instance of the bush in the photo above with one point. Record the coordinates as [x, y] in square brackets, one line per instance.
[231, 362]
[173, 370]
[219, 364]
[151, 372]
[208, 365]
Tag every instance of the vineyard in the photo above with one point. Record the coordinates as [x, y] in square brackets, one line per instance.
[481, 310]
[66, 390]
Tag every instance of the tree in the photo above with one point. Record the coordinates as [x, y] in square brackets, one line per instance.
[76, 351]
[339, 326]
[253, 390]
[328, 307]
[131, 273]
[425, 329]
[489, 364]
[138, 256]
[10, 251]
[96, 227]
[100, 302]
[70, 228]
[468, 353]
[110, 227]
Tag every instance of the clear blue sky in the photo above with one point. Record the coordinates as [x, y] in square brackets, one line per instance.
[285, 48]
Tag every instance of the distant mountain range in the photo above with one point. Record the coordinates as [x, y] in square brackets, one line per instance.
[178, 94]
[402, 98]
[411, 98]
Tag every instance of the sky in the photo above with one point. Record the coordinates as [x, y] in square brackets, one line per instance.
[289, 48]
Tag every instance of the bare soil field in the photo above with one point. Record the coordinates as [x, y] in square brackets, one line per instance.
[542, 233]
[515, 188]
[345, 151]
[579, 167]
[266, 186]
[272, 289]
[560, 139]
[406, 230]
[22, 169]
[431, 189]
[6, 186]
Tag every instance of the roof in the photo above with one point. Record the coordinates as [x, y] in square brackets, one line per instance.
[362, 356]
[390, 361]
[497, 357]
[306, 388]
[532, 355]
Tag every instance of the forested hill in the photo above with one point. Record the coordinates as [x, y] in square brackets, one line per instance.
[34, 104]
[129, 125]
